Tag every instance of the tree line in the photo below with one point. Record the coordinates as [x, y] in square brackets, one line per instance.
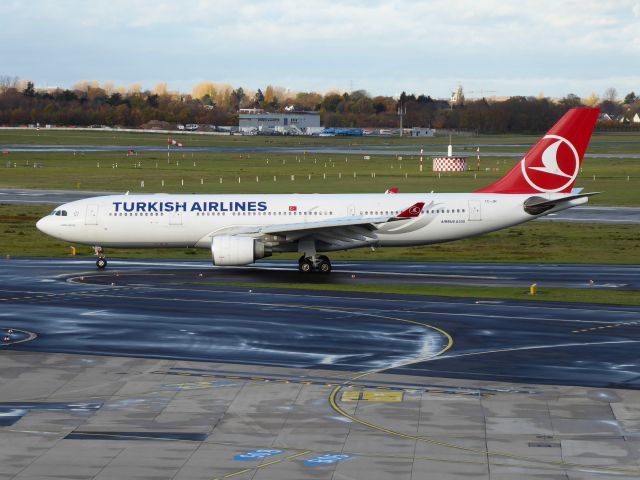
[90, 103]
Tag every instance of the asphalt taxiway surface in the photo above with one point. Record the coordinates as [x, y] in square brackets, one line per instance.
[186, 310]
[332, 150]
[607, 215]
[163, 369]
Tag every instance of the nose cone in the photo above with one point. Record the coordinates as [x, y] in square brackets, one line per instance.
[44, 225]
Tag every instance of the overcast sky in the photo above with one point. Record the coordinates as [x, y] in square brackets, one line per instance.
[500, 47]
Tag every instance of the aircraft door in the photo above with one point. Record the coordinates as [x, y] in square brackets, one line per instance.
[475, 212]
[351, 210]
[92, 215]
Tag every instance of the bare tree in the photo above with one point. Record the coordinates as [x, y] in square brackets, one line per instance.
[610, 94]
[7, 82]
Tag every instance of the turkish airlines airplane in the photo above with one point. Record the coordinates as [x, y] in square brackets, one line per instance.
[240, 229]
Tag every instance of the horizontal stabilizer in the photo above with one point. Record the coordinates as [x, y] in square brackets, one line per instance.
[538, 205]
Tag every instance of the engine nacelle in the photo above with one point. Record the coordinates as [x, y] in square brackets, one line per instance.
[236, 250]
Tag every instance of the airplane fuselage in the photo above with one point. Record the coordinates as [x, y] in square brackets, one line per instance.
[166, 220]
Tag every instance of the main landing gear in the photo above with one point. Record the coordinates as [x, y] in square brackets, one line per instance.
[319, 263]
[101, 262]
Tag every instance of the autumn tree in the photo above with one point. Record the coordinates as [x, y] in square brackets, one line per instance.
[592, 100]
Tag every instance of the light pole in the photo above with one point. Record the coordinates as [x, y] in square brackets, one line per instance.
[402, 111]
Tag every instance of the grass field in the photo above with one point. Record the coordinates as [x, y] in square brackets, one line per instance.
[187, 172]
[587, 295]
[540, 242]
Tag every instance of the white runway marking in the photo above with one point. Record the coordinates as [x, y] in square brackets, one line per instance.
[96, 313]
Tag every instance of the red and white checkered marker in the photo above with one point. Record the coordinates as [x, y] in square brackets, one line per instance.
[449, 164]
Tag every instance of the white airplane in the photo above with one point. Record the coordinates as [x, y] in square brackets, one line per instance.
[240, 229]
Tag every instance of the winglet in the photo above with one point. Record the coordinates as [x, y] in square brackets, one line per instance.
[392, 190]
[413, 211]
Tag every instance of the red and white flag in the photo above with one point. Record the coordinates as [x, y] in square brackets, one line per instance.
[293, 208]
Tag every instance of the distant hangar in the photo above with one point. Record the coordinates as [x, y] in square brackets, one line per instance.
[253, 120]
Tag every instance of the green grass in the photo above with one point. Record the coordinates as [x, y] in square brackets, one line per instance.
[539, 242]
[589, 295]
[618, 179]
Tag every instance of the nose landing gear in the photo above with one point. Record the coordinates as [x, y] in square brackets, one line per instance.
[318, 263]
[101, 262]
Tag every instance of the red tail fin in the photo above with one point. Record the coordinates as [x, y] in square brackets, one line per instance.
[553, 163]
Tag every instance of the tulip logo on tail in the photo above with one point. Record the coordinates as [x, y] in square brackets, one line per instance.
[557, 167]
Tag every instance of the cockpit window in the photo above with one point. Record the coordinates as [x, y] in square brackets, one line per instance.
[59, 213]
[64, 213]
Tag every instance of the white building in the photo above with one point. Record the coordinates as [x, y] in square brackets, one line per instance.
[255, 120]
[422, 132]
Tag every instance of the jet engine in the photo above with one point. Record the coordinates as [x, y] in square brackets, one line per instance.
[237, 250]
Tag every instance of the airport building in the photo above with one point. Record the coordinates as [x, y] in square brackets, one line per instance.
[294, 122]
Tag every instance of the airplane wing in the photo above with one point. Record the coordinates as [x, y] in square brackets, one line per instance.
[335, 234]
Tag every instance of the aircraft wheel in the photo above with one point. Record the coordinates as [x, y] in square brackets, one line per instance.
[101, 263]
[305, 265]
[324, 266]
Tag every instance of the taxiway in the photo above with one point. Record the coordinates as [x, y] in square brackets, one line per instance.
[186, 310]
[153, 369]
